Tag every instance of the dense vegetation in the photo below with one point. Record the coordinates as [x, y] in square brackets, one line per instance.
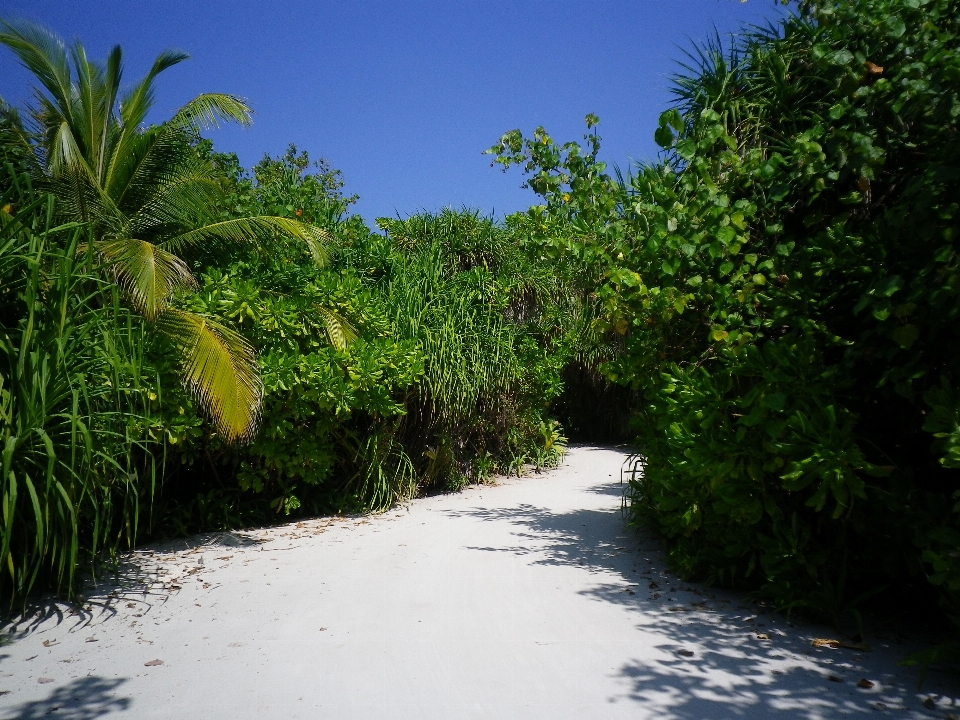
[194, 346]
[187, 345]
[786, 283]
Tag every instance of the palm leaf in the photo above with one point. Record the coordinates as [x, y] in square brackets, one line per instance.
[148, 274]
[209, 110]
[253, 229]
[220, 368]
[43, 54]
[137, 102]
[339, 330]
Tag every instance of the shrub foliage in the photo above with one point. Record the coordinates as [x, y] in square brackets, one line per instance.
[785, 280]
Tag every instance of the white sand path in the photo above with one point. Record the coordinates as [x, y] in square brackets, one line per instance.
[524, 600]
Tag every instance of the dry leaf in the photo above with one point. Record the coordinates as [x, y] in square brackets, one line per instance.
[91, 639]
[865, 684]
[685, 653]
[834, 678]
[872, 68]
[44, 681]
[49, 643]
[153, 663]
[831, 643]
[763, 636]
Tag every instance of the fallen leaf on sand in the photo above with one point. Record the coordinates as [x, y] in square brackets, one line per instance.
[834, 678]
[763, 636]
[685, 653]
[49, 643]
[831, 643]
[225, 557]
[153, 663]
[44, 681]
[91, 639]
[322, 629]
[865, 684]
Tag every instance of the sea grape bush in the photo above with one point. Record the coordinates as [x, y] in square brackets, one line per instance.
[785, 281]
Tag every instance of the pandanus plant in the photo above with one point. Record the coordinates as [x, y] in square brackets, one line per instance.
[146, 197]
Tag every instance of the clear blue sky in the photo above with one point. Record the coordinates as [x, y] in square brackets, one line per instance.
[403, 96]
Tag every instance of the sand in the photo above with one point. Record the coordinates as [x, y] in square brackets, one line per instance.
[528, 599]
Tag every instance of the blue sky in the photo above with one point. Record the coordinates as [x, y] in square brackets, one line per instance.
[404, 96]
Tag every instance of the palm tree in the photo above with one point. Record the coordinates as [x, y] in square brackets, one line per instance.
[146, 196]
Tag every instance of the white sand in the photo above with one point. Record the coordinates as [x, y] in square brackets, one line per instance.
[526, 600]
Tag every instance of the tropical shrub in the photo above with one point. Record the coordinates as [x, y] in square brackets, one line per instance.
[145, 194]
[785, 284]
[75, 396]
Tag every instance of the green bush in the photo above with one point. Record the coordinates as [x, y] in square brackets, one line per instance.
[785, 281]
[75, 393]
[419, 359]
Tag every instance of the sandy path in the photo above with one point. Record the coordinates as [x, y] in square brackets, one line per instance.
[526, 600]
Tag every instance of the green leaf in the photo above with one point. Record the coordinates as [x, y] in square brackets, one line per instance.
[905, 335]
[663, 137]
[775, 401]
[895, 26]
[687, 149]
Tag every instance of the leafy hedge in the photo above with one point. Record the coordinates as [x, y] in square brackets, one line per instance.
[786, 284]
[422, 357]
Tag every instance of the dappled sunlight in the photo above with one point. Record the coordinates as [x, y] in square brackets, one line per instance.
[710, 654]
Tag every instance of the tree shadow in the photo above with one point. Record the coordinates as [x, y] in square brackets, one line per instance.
[136, 581]
[85, 698]
[708, 653]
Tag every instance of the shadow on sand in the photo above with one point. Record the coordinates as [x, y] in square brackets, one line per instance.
[85, 698]
[710, 655]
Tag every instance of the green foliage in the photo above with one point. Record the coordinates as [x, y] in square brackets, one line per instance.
[786, 284]
[421, 359]
[146, 196]
[74, 397]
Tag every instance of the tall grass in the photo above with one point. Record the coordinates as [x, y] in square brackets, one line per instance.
[466, 290]
[73, 401]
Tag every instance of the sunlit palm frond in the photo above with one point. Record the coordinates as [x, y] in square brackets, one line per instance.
[144, 160]
[251, 230]
[209, 110]
[43, 54]
[220, 368]
[137, 101]
[148, 274]
[180, 203]
[65, 153]
[339, 330]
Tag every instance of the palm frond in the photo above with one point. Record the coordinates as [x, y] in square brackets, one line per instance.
[137, 102]
[339, 330]
[179, 204]
[43, 54]
[220, 368]
[148, 274]
[209, 110]
[251, 230]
